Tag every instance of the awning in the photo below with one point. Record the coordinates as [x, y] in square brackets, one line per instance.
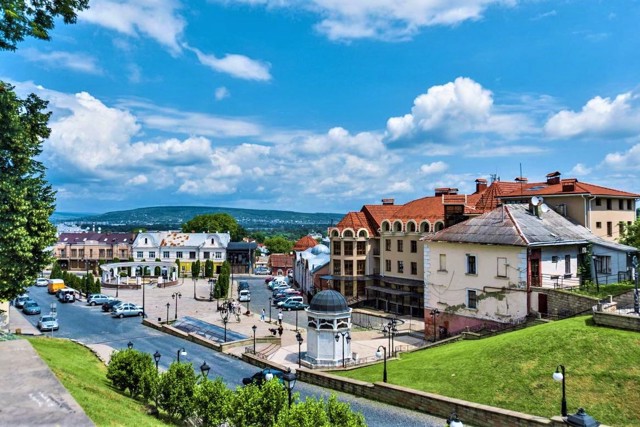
[412, 283]
[352, 278]
[389, 291]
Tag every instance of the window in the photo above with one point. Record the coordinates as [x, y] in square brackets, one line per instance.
[337, 246]
[603, 264]
[179, 254]
[387, 245]
[81, 253]
[348, 248]
[400, 245]
[123, 254]
[414, 246]
[109, 253]
[192, 255]
[336, 268]
[206, 255]
[101, 253]
[443, 263]
[630, 205]
[165, 254]
[502, 267]
[360, 248]
[621, 204]
[608, 204]
[598, 224]
[213, 241]
[598, 202]
[414, 268]
[74, 253]
[145, 241]
[152, 254]
[139, 254]
[387, 265]
[620, 227]
[472, 299]
[567, 264]
[348, 268]
[554, 259]
[471, 264]
[609, 228]
[361, 267]
[218, 255]
[400, 266]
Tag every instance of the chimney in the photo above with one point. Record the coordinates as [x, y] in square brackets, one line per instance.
[446, 191]
[553, 178]
[388, 201]
[481, 185]
[521, 179]
[568, 185]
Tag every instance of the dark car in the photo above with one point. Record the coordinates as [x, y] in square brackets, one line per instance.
[108, 306]
[294, 305]
[31, 307]
[243, 285]
[261, 376]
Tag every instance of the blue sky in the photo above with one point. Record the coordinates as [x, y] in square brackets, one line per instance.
[324, 105]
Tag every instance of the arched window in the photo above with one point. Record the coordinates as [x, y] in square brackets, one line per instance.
[397, 226]
[362, 233]
[385, 226]
[424, 227]
[439, 226]
[348, 233]
[335, 233]
[412, 227]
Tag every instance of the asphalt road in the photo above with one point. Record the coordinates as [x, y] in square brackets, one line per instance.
[92, 326]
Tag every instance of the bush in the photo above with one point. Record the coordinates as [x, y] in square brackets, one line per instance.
[129, 370]
[212, 402]
[319, 413]
[177, 390]
[257, 406]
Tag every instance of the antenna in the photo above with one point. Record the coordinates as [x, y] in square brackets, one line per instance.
[544, 208]
[535, 200]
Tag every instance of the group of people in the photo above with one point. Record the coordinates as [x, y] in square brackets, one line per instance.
[232, 307]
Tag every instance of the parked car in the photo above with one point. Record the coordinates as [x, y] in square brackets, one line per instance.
[294, 305]
[279, 288]
[295, 298]
[21, 300]
[126, 309]
[268, 279]
[264, 375]
[261, 270]
[278, 281]
[242, 285]
[244, 296]
[66, 295]
[108, 306]
[287, 292]
[41, 281]
[48, 323]
[98, 299]
[31, 307]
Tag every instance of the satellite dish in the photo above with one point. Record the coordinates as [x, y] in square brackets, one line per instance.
[535, 200]
[544, 208]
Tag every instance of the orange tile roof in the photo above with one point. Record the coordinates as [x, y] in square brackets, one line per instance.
[544, 189]
[281, 260]
[304, 243]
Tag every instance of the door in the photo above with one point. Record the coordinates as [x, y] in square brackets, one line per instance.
[542, 305]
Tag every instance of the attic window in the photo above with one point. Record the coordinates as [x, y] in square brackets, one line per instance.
[537, 187]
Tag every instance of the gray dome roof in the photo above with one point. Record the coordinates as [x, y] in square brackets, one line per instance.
[320, 249]
[329, 301]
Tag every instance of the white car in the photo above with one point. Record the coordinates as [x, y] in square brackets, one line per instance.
[244, 296]
[126, 309]
[48, 323]
[41, 281]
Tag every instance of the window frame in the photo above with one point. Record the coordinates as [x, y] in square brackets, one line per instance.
[471, 299]
[471, 265]
[502, 264]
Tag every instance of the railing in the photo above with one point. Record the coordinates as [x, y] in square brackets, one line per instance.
[257, 354]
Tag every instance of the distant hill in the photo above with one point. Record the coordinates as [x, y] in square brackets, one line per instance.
[172, 218]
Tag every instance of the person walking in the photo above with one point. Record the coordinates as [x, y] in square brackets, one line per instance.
[262, 315]
[280, 330]
[280, 317]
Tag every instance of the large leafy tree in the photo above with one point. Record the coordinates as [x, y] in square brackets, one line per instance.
[211, 223]
[631, 234]
[26, 199]
[34, 18]
[278, 245]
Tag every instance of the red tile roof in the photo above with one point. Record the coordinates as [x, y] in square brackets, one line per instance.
[281, 261]
[304, 243]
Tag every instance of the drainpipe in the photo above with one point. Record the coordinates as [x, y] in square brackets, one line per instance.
[587, 210]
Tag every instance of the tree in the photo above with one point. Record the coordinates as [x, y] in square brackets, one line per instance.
[278, 245]
[177, 390]
[320, 413]
[257, 406]
[212, 223]
[222, 284]
[631, 234]
[26, 199]
[211, 402]
[129, 370]
[34, 19]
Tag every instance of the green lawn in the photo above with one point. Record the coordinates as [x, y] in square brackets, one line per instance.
[602, 291]
[513, 371]
[84, 376]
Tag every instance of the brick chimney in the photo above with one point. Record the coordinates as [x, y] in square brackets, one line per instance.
[481, 185]
[553, 178]
[446, 191]
[388, 201]
[521, 179]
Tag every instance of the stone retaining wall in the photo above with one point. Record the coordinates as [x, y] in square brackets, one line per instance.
[630, 322]
[560, 301]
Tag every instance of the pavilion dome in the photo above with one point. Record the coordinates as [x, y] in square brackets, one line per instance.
[329, 301]
[320, 249]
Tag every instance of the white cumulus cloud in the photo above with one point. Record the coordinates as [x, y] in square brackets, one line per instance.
[221, 93]
[435, 167]
[238, 66]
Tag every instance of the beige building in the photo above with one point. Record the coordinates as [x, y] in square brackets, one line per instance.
[85, 251]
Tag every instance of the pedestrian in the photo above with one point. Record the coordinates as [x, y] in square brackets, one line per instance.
[262, 315]
[280, 317]
[280, 329]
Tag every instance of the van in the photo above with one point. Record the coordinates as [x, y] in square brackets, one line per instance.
[244, 296]
[55, 285]
[66, 295]
[295, 298]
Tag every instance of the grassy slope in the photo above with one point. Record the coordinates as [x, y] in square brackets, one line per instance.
[84, 376]
[513, 371]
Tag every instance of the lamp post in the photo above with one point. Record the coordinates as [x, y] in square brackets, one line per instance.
[595, 270]
[345, 337]
[225, 320]
[559, 375]
[204, 369]
[454, 421]
[176, 296]
[290, 382]
[390, 329]
[636, 296]
[182, 352]
[300, 340]
[129, 345]
[156, 357]
[270, 301]
[434, 313]
[378, 355]
[168, 305]
[254, 327]
[296, 320]
[143, 307]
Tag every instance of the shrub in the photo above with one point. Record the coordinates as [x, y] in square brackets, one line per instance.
[128, 369]
[177, 390]
[212, 402]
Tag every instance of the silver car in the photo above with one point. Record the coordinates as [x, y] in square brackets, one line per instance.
[126, 309]
[48, 323]
[98, 299]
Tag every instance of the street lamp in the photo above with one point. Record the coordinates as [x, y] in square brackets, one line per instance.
[290, 382]
[225, 320]
[391, 329]
[300, 340]
[182, 352]
[345, 337]
[204, 369]
[143, 307]
[636, 296]
[380, 354]
[270, 300]
[176, 296]
[168, 305]
[581, 419]
[156, 357]
[559, 375]
[454, 421]
[434, 313]
[254, 327]
[129, 345]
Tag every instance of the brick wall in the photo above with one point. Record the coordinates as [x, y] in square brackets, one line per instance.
[625, 300]
[619, 321]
